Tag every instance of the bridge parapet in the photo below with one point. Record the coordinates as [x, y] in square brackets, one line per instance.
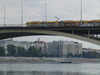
[12, 25]
[77, 33]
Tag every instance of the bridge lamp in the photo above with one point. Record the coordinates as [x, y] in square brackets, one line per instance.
[4, 15]
[21, 12]
[45, 12]
[80, 12]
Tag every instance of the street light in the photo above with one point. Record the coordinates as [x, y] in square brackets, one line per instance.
[21, 12]
[45, 12]
[81, 12]
[4, 15]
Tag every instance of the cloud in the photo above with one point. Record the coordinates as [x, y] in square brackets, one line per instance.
[35, 10]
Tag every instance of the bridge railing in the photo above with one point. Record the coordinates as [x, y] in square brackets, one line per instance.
[13, 25]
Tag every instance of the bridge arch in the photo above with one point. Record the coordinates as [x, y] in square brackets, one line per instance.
[48, 32]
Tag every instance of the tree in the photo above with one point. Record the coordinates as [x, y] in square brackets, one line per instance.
[34, 52]
[11, 49]
[91, 55]
[2, 51]
[69, 55]
[21, 51]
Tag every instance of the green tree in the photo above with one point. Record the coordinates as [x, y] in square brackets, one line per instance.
[2, 51]
[11, 49]
[21, 51]
[34, 52]
[78, 55]
[91, 55]
[69, 55]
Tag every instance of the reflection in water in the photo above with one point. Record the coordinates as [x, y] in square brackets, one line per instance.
[37, 73]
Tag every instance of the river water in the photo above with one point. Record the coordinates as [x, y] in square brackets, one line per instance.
[50, 69]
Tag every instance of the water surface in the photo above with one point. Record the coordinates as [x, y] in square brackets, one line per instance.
[50, 69]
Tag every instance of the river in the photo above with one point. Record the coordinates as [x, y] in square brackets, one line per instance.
[49, 69]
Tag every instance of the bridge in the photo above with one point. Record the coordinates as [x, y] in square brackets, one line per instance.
[90, 34]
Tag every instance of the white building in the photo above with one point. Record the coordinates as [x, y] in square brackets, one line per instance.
[62, 48]
[75, 47]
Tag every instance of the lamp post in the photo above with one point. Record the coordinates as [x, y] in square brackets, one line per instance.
[45, 12]
[21, 12]
[81, 12]
[4, 15]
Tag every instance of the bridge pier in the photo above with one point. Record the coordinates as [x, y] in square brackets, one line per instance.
[88, 33]
[72, 31]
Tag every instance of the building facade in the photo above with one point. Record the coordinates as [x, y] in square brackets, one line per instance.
[41, 45]
[62, 48]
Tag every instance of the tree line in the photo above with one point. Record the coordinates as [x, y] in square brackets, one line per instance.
[85, 55]
[13, 51]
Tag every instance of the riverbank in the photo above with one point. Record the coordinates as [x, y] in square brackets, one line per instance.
[45, 60]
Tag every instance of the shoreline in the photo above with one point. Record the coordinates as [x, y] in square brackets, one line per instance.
[36, 60]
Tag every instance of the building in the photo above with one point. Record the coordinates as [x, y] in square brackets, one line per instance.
[62, 48]
[74, 48]
[41, 45]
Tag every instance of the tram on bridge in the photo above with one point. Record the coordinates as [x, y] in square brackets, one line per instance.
[67, 23]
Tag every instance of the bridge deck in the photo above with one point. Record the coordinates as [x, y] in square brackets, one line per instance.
[90, 32]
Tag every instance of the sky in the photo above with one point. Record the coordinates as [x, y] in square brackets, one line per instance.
[34, 10]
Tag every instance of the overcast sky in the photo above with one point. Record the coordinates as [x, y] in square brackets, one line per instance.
[34, 10]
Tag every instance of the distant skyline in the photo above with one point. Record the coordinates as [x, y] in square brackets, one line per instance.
[56, 38]
[34, 10]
